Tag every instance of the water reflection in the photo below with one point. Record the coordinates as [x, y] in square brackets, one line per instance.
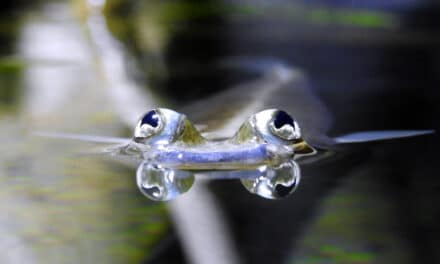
[159, 183]
[274, 182]
[162, 184]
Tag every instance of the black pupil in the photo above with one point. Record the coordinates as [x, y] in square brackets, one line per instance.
[151, 118]
[282, 118]
[282, 190]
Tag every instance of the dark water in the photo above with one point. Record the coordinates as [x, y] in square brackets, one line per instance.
[375, 65]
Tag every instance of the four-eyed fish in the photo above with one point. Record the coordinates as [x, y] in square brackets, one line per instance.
[257, 132]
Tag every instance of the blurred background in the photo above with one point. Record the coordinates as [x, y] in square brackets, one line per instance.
[85, 67]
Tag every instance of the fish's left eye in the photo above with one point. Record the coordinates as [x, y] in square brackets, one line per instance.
[284, 126]
[150, 124]
[151, 118]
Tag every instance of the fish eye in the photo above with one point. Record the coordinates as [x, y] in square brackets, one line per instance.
[151, 118]
[271, 125]
[162, 126]
[150, 124]
[284, 126]
[282, 118]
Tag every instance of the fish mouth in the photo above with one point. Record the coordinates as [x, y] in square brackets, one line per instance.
[217, 156]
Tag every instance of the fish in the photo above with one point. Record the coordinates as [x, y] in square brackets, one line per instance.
[259, 132]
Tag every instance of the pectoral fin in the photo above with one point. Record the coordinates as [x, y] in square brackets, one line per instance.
[369, 136]
[86, 138]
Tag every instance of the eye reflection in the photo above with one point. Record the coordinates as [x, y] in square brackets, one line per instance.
[271, 182]
[283, 191]
[162, 184]
[274, 182]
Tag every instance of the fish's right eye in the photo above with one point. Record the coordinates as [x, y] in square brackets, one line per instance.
[284, 126]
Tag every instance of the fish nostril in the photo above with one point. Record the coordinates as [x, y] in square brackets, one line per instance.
[281, 119]
[151, 118]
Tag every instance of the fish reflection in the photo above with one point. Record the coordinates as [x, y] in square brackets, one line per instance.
[264, 151]
[274, 182]
[271, 182]
[162, 184]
